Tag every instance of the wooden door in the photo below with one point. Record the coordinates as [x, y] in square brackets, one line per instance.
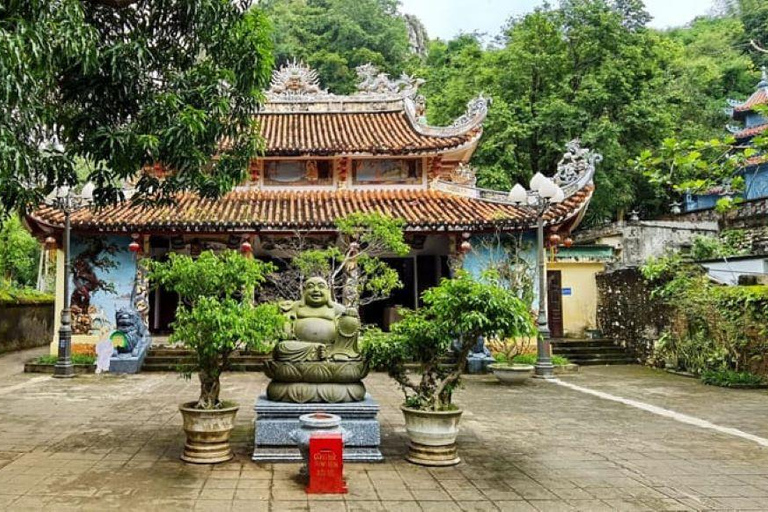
[555, 303]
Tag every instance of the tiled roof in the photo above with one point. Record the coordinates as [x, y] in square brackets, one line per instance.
[280, 211]
[750, 132]
[759, 97]
[386, 133]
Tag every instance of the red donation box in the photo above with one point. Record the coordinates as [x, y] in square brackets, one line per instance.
[326, 464]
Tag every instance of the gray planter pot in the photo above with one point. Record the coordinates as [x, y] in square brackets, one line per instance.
[512, 373]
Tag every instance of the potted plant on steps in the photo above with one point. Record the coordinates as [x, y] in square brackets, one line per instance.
[461, 308]
[214, 319]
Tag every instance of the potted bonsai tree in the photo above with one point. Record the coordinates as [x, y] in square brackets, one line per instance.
[460, 308]
[215, 318]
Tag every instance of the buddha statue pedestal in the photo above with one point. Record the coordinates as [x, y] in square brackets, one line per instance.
[318, 368]
[276, 420]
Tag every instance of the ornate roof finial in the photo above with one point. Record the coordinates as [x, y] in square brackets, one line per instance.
[576, 166]
[372, 81]
[764, 80]
[295, 79]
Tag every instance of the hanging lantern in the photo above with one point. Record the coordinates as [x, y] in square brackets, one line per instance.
[554, 239]
[134, 246]
[246, 247]
[50, 243]
[465, 247]
[568, 242]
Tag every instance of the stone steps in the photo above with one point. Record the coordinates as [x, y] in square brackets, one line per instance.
[591, 352]
[167, 359]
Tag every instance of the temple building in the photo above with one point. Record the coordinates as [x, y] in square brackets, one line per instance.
[325, 156]
[748, 124]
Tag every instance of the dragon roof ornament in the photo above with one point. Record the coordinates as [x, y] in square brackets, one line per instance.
[295, 79]
[373, 82]
[576, 168]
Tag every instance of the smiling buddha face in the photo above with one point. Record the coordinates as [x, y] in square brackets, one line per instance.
[317, 293]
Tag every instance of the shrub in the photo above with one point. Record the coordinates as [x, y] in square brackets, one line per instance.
[76, 359]
[460, 308]
[712, 327]
[215, 316]
[530, 358]
[730, 378]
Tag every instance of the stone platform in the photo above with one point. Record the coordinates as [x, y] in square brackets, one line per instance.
[275, 421]
[127, 363]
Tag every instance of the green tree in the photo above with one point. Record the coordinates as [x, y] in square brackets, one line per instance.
[588, 68]
[336, 36]
[19, 253]
[124, 84]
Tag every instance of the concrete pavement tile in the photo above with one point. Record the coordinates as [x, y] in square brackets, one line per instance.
[477, 506]
[551, 505]
[515, 506]
[206, 505]
[439, 506]
[250, 506]
[362, 506]
[401, 506]
[628, 505]
[431, 495]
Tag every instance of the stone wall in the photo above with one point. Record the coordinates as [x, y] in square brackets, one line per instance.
[626, 312]
[25, 326]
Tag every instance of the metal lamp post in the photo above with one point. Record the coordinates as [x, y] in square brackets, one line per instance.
[543, 193]
[65, 200]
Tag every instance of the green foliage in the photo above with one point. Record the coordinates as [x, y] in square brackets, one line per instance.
[214, 329]
[379, 347]
[530, 358]
[123, 88]
[13, 295]
[336, 36]
[712, 327]
[681, 167]
[460, 308]
[86, 359]
[729, 243]
[222, 275]
[730, 378]
[374, 230]
[19, 254]
[216, 315]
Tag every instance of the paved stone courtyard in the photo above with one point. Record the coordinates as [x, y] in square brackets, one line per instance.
[113, 442]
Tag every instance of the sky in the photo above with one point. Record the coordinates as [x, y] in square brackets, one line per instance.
[447, 18]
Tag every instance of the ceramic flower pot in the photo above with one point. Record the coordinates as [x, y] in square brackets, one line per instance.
[432, 436]
[512, 373]
[208, 432]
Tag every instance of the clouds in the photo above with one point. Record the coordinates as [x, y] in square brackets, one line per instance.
[447, 18]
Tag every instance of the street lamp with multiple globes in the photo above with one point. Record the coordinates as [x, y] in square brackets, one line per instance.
[543, 193]
[65, 200]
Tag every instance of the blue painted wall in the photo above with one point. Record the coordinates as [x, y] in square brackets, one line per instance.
[756, 179]
[485, 252]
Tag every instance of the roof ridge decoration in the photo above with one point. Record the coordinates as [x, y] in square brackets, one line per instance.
[295, 87]
[473, 117]
[295, 81]
[373, 82]
[575, 171]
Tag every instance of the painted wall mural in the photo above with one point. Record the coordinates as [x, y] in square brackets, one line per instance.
[102, 282]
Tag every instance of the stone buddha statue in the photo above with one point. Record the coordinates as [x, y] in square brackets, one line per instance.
[320, 360]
